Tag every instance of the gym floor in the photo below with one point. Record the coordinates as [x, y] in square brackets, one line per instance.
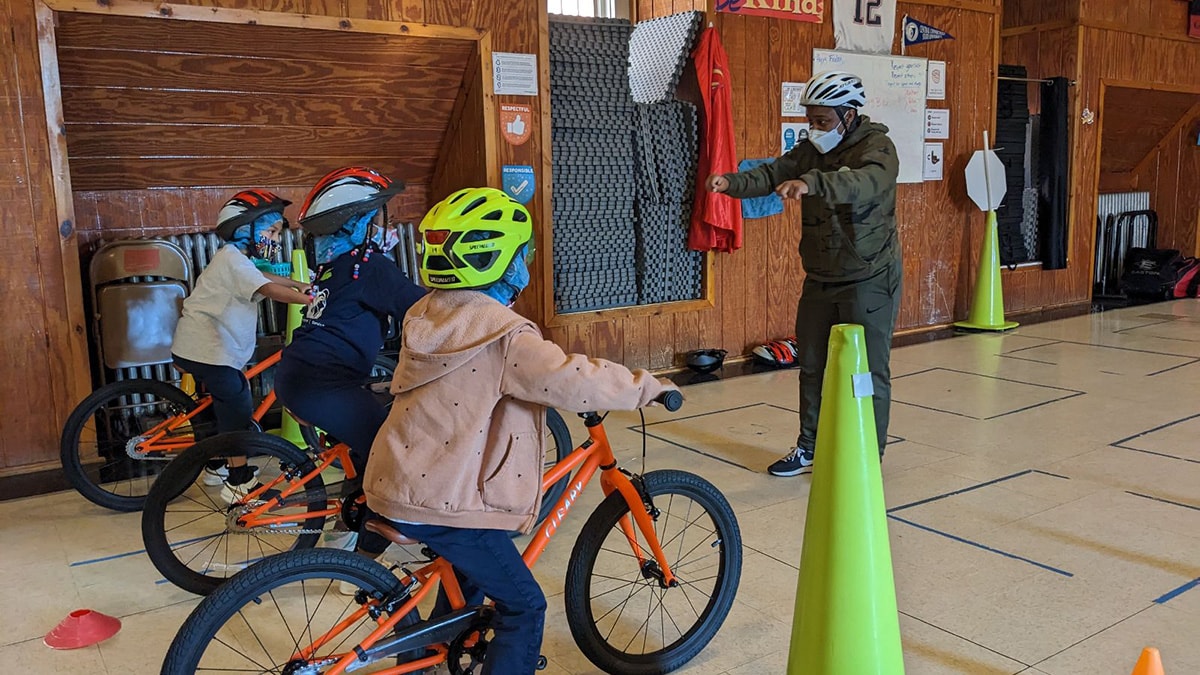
[1042, 495]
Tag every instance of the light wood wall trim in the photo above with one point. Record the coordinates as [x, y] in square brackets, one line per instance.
[660, 309]
[491, 151]
[77, 369]
[545, 256]
[1188, 116]
[1038, 28]
[967, 5]
[166, 10]
[1181, 36]
[1152, 86]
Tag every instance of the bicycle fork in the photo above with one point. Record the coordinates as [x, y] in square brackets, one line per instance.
[641, 507]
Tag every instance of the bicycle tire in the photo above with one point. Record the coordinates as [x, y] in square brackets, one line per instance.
[176, 480]
[140, 404]
[200, 630]
[726, 538]
[563, 447]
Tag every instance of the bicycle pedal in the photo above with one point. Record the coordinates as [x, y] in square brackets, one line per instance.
[542, 662]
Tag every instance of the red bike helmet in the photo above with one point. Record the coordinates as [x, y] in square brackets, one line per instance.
[342, 194]
[245, 207]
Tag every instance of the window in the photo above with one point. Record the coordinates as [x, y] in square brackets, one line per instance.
[607, 9]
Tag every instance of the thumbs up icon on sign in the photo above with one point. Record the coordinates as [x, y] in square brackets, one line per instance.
[517, 127]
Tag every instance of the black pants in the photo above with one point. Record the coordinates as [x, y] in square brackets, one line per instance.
[874, 304]
[488, 564]
[232, 403]
[342, 407]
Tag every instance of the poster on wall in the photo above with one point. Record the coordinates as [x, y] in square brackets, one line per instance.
[812, 11]
[515, 123]
[793, 133]
[793, 93]
[936, 87]
[514, 74]
[937, 124]
[519, 181]
[934, 160]
[864, 25]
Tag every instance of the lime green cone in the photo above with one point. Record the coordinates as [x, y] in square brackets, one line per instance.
[846, 622]
[987, 309]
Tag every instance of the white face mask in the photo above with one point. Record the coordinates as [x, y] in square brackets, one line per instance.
[824, 141]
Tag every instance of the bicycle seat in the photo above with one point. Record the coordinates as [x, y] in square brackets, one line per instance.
[388, 532]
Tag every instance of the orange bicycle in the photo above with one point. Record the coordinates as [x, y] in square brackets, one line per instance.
[117, 440]
[197, 541]
[652, 576]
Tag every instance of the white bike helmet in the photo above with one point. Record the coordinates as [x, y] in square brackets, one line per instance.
[835, 89]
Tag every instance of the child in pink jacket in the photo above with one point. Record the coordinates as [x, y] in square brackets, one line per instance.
[458, 463]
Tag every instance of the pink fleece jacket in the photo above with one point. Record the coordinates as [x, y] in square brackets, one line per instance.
[463, 444]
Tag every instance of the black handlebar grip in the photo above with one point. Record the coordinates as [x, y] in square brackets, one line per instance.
[672, 400]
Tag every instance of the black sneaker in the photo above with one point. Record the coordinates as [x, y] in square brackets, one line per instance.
[796, 462]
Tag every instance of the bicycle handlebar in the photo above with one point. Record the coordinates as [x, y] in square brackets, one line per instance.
[671, 400]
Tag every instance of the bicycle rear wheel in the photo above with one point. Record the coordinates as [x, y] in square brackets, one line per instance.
[256, 621]
[191, 534]
[94, 447]
[558, 446]
[622, 618]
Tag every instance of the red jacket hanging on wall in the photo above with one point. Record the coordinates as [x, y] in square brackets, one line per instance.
[716, 219]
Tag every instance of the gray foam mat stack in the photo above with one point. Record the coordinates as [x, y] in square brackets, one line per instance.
[624, 174]
[591, 130]
[667, 152]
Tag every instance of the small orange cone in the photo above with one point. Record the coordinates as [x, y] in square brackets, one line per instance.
[1149, 664]
[82, 628]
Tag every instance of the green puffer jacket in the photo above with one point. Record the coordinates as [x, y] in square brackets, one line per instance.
[849, 215]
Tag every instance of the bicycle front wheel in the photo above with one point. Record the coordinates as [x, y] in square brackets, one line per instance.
[190, 530]
[259, 620]
[620, 615]
[95, 443]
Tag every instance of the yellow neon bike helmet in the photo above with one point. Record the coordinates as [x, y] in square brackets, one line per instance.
[469, 239]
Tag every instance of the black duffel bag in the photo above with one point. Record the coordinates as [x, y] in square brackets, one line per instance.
[1151, 273]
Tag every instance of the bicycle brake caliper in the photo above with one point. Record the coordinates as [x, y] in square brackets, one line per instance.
[640, 484]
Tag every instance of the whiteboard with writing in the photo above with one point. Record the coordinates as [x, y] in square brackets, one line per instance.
[895, 96]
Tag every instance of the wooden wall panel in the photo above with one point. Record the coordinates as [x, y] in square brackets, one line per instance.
[1017, 13]
[44, 369]
[1169, 174]
[462, 160]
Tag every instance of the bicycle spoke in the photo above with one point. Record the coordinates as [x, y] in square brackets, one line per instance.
[256, 638]
[295, 642]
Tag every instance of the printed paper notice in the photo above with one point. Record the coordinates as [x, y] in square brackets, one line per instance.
[793, 92]
[514, 74]
[937, 123]
[934, 161]
[937, 81]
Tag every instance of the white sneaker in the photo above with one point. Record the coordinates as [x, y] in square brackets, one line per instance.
[214, 477]
[231, 494]
[340, 539]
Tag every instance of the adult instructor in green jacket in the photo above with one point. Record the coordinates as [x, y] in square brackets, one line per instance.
[845, 177]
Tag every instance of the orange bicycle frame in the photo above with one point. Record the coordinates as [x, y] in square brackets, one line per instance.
[593, 454]
[156, 442]
[257, 517]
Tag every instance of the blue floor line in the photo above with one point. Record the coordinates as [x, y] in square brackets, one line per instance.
[1171, 595]
[139, 551]
[982, 546]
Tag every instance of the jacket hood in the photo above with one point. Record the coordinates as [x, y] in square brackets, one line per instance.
[444, 330]
[865, 128]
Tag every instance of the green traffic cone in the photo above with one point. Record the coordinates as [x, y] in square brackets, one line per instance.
[846, 621]
[289, 429]
[987, 310]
